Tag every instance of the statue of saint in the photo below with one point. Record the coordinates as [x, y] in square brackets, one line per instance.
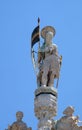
[69, 121]
[49, 61]
[19, 124]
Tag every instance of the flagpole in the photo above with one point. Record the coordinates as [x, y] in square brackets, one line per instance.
[39, 30]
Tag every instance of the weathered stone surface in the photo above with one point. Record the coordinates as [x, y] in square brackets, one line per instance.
[45, 106]
[46, 90]
[49, 61]
[67, 122]
[45, 101]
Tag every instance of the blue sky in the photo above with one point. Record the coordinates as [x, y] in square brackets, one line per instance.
[17, 79]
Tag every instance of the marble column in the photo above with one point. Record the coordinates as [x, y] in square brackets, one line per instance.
[45, 106]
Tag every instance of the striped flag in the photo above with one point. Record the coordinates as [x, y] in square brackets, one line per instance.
[35, 37]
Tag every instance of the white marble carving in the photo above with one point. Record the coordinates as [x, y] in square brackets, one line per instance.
[68, 122]
[49, 61]
[45, 106]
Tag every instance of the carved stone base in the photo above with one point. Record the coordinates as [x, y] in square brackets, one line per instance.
[45, 124]
[45, 106]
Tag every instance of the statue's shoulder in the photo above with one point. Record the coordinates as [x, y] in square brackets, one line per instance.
[14, 123]
[17, 125]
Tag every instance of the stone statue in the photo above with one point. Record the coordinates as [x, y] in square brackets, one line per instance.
[19, 124]
[49, 61]
[68, 122]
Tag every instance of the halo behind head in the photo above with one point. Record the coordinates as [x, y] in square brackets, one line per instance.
[46, 30]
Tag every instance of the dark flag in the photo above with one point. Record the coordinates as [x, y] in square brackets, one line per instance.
[35, 36]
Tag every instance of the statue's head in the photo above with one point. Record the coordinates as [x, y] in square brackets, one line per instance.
[48, 31]
[69, 111]
[49, 36]
[19, 115]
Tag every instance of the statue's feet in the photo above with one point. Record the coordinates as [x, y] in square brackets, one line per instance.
[50, 85]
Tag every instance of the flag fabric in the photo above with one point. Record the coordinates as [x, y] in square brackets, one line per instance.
[35, 36]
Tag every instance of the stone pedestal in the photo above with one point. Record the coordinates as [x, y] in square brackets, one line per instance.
[45, 106]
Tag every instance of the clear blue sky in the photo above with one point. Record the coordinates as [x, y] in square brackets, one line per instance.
[17, 78]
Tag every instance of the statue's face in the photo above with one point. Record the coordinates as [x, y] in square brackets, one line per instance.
[49, 37]
[19, 116]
